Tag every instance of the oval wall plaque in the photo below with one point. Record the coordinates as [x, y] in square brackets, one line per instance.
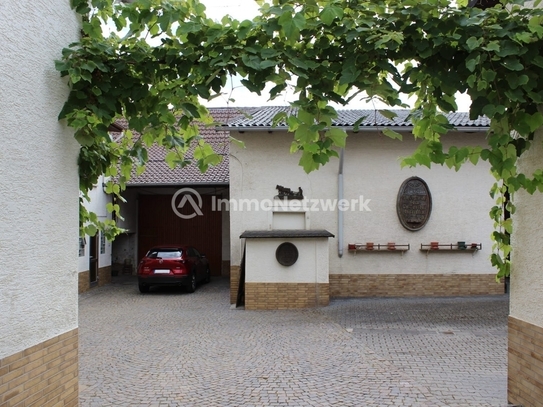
[414, 204]
[286, 254]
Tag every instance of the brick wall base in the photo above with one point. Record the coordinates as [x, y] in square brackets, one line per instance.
[260, 296]
[525, 364]
[104, 277]
[83, 283]
[43, 375]
[412, 285]
[225, 268]
[234, 283]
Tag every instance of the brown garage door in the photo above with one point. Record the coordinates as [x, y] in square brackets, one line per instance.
[158, 224]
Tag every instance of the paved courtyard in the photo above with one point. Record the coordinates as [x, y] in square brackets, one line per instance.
[171, 348]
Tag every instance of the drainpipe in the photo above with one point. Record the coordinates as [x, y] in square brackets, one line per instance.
[340, 213]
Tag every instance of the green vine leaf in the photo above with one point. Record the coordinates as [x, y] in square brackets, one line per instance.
[338, 136]
[330, 13]
[392, 134]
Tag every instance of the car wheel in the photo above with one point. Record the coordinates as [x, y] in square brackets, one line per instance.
[208, 275]
[192, 286]
[143, 288]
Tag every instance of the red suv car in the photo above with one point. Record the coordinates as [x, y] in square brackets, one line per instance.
[175, 265]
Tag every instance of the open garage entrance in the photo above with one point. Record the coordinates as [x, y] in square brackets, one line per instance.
[158, 224]
[148, 217]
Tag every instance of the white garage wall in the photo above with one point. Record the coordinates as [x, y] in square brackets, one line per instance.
[372, 169]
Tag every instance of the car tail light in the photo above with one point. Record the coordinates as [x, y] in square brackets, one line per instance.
[144, 268]
[179, 267]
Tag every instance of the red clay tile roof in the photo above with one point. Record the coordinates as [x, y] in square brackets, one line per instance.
[157, 172]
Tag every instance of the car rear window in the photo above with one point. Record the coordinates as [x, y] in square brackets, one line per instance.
[164, 253]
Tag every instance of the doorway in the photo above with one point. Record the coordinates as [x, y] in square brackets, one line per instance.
[93, 259]
[158, 225]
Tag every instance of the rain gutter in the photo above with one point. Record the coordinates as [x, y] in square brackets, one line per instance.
[400, 129]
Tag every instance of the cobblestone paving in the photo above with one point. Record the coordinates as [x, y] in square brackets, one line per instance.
[456, 347]
[171, 348]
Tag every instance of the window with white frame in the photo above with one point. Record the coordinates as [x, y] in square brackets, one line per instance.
[102, 243]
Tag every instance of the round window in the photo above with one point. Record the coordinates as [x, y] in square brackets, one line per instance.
[286, 254]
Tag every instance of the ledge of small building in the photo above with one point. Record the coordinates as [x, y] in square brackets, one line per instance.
[285, 233]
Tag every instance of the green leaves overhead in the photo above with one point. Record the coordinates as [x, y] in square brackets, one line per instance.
[291, 25]
[154, 60]
[330, 13]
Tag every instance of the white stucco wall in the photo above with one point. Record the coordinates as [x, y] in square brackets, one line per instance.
[38, 177]
[129, 211]
[97, 204]
[527, 241]
[311, 266]
[371, 169]
[125, 245]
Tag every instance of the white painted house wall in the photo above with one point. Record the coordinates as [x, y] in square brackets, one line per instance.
[371, 169]
[38, 177]
[525, 324]
[97, 204]
[527, 256]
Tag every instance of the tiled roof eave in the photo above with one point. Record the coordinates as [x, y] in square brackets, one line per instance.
[399, 127]
[177, 184]
[368, 120]
[158, 174]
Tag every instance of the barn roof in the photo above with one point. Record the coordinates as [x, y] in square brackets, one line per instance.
[158, 173]
[263, 118]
